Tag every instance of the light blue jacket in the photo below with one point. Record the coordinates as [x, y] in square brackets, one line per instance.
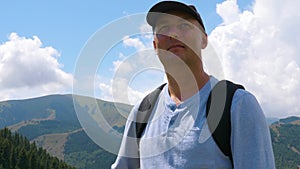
[178, 136]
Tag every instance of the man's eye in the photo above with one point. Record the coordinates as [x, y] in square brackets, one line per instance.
[163, 29]
[185, 26]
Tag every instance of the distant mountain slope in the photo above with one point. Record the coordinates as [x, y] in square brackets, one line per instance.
[82, 152]
[58, 107]
[51, 121]
[286, 142]
[16, 111]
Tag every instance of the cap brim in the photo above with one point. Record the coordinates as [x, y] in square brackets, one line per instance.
[165, 7]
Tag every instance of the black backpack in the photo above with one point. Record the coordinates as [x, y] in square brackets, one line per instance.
[217, 113]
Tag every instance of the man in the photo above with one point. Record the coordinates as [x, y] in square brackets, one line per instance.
[177, 135]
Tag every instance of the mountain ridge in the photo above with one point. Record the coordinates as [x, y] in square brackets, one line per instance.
[52, 123]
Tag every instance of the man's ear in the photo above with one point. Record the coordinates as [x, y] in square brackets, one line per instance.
[204, 41]
[154, 44]
[155, 47]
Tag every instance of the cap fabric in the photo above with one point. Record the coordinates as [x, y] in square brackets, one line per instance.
[167, 6]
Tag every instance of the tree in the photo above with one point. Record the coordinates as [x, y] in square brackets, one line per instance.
[16, 152]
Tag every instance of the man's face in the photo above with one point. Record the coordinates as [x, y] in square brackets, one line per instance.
[178, 34]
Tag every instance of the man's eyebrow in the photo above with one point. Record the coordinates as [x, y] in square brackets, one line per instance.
[178, 19]
[163, 21]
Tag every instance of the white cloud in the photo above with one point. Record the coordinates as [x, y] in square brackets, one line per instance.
[146, 31]
[120, 91]
[259, 49]
[28, 69]
[133, 42]
[123, 67]
[228, 10]
[106, 91]
[126, 85]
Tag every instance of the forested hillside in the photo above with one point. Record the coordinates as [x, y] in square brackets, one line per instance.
[51, 122]
[16, 152]
[285, 136]
[82, 152]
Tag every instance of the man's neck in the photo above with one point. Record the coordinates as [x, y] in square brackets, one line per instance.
[185, 84]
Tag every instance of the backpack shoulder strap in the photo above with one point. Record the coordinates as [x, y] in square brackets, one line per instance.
[218, 114]
[137, 126]
[145, 110]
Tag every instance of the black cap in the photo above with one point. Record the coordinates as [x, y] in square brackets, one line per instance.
[167, 6]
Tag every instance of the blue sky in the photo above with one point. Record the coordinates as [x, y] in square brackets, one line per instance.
[67, 25]
[254, 39]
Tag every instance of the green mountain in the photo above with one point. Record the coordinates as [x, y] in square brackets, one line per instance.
[17, 153]
[285, 136]
[52, 122]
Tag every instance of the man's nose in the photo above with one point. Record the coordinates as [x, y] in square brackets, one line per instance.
[173, 32]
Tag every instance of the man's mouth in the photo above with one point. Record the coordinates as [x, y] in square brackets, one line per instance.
[175, 46]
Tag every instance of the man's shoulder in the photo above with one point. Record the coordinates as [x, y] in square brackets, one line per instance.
[246, 105]
[243, 94]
